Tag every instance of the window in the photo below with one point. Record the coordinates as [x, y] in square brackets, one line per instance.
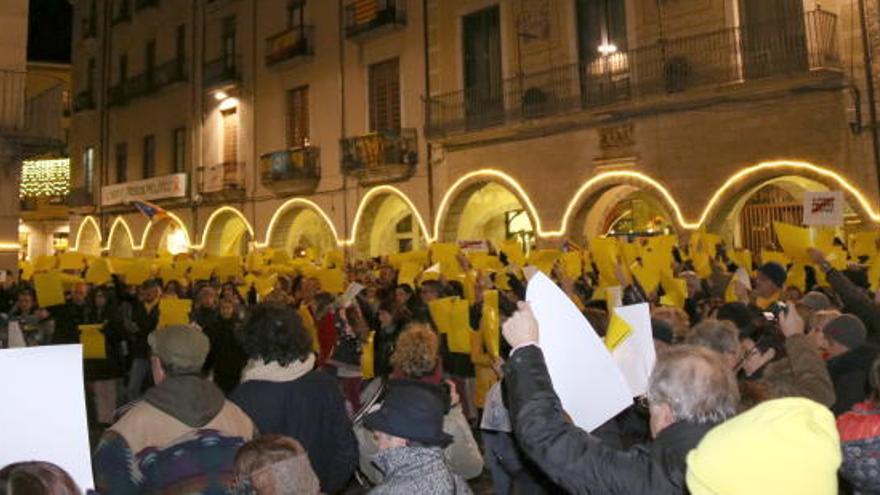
[601, 26]
[123, 68]
[178, 149]
[481, 56]
[385, 96]
[149, 157]
[90, 74]
[295, 13]
[228, 42]
[298, 117]
[121, 162]
[150, 60]
[89, 169]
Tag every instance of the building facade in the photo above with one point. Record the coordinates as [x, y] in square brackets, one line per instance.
[381, 125]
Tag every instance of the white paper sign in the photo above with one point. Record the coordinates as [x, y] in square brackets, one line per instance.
[44, 409]
[585, 377]
[636, 355]
[166, 186]
[14, 336]
[823, 208]
[350, 294]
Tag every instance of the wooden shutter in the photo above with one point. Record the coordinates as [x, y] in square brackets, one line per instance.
[297, 117]
[385, 96]
[230, 136]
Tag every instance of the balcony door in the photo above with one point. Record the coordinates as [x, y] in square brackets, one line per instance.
[774, 39]
[230, 136]
[483, 83]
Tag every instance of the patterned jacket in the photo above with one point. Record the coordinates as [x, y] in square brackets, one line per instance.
[860, 439]
[422, 470]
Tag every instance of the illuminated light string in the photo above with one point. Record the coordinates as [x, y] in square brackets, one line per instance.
[506, 179]
[45, 178]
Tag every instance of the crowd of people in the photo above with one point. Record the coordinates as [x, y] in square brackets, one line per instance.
[760, 386]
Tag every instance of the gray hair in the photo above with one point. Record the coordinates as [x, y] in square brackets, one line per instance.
[719, 335]
[695, 384]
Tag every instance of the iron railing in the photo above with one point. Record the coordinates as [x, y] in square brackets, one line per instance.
[728, 56]
[147, 82]
[222, 70]
[222, 177]
[12, 102]
[291, 165]
[364, 16]
[378, 149]
[291, 43]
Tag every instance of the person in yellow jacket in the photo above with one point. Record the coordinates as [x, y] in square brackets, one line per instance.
[783, 446]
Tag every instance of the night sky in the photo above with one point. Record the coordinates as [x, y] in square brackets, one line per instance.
[49, 31]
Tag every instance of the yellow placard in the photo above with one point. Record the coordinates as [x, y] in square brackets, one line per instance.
[484, 261]
[441, 313]
[26, 270]
[796, 240]
[572, 264]
[514, 252]
[544, 259]
[334, 258]
[93, 342]
[368, 354]
[864, 244]
[174, 311]
[99, 272]
[618, 331]
[265, 284]
[647, 274]
[45, 263]
[675, 289]
[332, 281]
[202, 270]
[606, 255]
[774, 256]
[228, 267]
[408, 273]
[280, 257]
[137, 272]
[797, 277]
[447, 255]
[71, 260]
[49, 289]
[490, 325]
[630, 251]
[309, 324]
[459, 335]
[742, 258]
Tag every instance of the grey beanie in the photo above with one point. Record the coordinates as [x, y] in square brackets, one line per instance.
[847, 330]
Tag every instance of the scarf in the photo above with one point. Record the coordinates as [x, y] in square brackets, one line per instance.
[257, 369]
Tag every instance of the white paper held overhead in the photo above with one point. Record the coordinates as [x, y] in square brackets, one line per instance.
[635, 355]
[44, 409]
[586, 378]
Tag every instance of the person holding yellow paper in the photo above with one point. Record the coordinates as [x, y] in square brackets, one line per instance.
[103, 365]
[855, 299]
[140, 318]
[35, 322]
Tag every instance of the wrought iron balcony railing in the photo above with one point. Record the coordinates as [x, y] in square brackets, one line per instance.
[148, 82]
[366, 17]
[381, 156]
[729, 56]
[222, 177]
[296, 168]
[223, 70]
[289, 44]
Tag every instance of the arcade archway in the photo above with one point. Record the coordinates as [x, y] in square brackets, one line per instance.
[165, 236]
[88, 237]
[299, 226]
[487, 210]
[121, 242]
[620, 210]
[227, 233]
[387, 224]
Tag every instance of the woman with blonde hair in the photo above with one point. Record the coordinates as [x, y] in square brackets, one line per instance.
[274, 465]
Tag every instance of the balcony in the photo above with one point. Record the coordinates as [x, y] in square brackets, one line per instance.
[727, 57]
[84, 100]
[148, 82]
[381, 156]
[223, 71]
[142, 4]
[296, 171]
[294, 43]
[223, 180]
[368, 18]
[80, 197]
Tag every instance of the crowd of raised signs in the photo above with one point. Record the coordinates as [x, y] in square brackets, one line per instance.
[418, 372]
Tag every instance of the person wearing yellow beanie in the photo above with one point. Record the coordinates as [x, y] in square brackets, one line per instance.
[783, 446]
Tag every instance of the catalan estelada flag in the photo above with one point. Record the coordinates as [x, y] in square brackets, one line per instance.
[152, 211]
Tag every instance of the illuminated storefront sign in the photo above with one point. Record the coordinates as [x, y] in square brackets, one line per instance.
[167, 186]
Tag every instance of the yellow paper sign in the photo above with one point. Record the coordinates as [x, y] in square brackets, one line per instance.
[572, 264]
[408, 273]
[514, 252]
[138, 272]
[174, 311]
[99, 272]
[332, 281]
[49, 289]
[334, 259]
[774, 256]
[675, 289]
[796, 240]
[544, 259]
[606, 255]
[368, 354]
[93, 342]
[459, 336]
[446, 254]
[309, 324]
[45, 263]
[441, 313]
[648, 275]
[26, 269]
[490, 323]
[202, 270]
[618, 331]
[72, 260]
[228, 267]
[864, 244]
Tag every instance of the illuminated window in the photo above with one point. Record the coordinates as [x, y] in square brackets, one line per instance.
[601, 28]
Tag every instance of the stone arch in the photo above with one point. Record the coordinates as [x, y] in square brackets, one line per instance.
[165, 235]
[300, 223]
[88, 237]
[120, 243]
[487, 209]
[379, 226]
[227, 233]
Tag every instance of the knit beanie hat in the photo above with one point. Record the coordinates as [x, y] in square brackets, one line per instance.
[816, 301]
[847, 330]
[775, 272]
[782, 446]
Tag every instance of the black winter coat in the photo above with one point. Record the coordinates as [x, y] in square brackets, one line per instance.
[580, 462]
[849, 374]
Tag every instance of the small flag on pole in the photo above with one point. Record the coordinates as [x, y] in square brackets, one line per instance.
[152, 211]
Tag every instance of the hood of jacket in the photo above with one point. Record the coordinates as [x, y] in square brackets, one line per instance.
[190, 399]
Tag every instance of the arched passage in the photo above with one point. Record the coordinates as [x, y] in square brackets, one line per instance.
[387, 223]
[299, 224]
[227, 233]
[486, 209]
[120, 242]
[620, 209]
[165, 236]
[88, 237]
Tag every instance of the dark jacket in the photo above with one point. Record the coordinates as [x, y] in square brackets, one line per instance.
[112, 365]
[68, 317]
[310, 409]
[145, 321]
[849, 373]
[856, 301]
[226, 358]
[580, 462]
